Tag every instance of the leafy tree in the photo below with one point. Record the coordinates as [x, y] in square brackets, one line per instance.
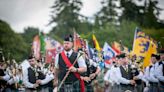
[65, 15]
[146, 15]
[131, 11]
[28, 35]
[12, 42]
[151, 14]
[108, 12]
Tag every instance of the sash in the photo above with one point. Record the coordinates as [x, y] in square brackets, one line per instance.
[68, 64]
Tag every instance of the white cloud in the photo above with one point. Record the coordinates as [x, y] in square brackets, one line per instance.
[90, 7]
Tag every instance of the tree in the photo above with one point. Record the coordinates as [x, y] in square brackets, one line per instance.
[146, 15]
[65, 15]
[131, 11]
[12, 43]
[29, 34]
[107, 13]
[151, 14]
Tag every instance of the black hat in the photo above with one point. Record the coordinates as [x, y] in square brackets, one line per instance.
[31, 57]
[68, 38]
[156, 56]
[121, 55]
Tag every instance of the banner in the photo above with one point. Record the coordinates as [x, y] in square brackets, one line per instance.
[53, 47]
[36, 47]
[95, 42]
[141, 44]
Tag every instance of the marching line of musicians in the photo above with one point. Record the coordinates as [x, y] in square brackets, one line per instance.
[124, 74]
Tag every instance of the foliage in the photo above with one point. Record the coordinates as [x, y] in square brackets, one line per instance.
[12, 43]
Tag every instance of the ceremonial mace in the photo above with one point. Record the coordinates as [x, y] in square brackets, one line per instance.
[81, 53]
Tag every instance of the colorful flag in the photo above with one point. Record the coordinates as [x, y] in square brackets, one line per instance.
[148, 54]
[90, 51]
[95, 42]
[141, 44]
[42, 43]
[116, 47]
[77, 42]
[53, 47]
[36, 47]
[108, 54]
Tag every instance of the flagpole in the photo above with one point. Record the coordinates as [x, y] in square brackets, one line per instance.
[135, 34]
[74, 36]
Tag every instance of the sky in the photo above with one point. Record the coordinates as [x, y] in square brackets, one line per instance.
[36, 13]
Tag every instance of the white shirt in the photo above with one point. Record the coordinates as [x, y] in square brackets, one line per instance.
[121, 79]
[13, 80]
[159, 72]
[112, 75]
[48, 78]
[150, 74]
[26, 80]
[80, 60]
[91, 62]
[6, 77]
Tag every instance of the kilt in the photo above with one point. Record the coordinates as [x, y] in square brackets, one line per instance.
[70, 87]
[161, 87]
[88, 88]
[124, 88]
[139, 88]
[115, 88]
[153, 87]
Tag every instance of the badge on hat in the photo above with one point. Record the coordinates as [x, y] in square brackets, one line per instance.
[68, 38]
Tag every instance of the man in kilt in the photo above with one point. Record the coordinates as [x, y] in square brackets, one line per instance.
[69, 61]
[160, 71]
[92, 71]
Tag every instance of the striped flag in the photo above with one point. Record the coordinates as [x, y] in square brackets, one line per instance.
[116, 47]
[108, 53]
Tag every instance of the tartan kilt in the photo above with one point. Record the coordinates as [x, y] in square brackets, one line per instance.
[70, 87]
[161, 87]
[88, 88]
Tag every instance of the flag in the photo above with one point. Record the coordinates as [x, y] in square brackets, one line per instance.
[77, 42]
[36, 47]
[116, 47]
[108, 53]
[50, 55]
[42, 43]
[88, 49]
[141, 44]
[95, 42]
[147, 58]
[52, 47]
